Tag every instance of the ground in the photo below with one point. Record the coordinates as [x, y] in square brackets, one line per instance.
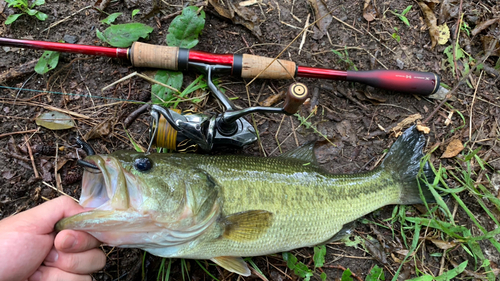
[355, 117]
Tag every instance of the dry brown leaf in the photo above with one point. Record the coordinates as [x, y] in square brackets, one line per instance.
[483, 25]
[449, 9]
[431, 22]
[370, 11]
[488, 41]
[443, 245]
[103, 129]
[271, 100]
[239, 15]
[321, 11]
[453, 149]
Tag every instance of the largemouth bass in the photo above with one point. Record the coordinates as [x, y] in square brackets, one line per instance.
[227, 207]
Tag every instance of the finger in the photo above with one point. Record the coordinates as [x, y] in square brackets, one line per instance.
[46, 273]
[72, 241]
[51, 212]
[78, 263]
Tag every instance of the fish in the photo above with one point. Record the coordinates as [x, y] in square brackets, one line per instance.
[227, 207]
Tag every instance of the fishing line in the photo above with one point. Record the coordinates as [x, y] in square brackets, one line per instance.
[71, 94]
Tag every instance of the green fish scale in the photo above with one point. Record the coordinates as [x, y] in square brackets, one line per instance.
[309, 205]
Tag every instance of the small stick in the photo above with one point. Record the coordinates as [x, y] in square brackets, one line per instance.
[60, 191]
[472, 105]
[20, 132]
[66, 18]
[31, 157]
[304, 34]
[132, 116]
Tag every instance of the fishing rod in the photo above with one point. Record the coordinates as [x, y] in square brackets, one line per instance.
[190, 131]
[242, 65]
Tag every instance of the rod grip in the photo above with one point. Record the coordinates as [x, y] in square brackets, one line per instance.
[279, 69]
[154, 56]
[411, 82]
[295, 97]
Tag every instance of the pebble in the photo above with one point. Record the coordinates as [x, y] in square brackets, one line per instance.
[400, 63]
[72, 39]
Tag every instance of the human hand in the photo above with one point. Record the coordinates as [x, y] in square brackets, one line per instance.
[28, 239]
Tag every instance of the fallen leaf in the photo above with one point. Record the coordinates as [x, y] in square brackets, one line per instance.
[99, 131]
[47, 169]
[61, 161]
[55, 120]
[431, 22]
[238, 15]
[370, 11]
[443, 245]
[490, 43]
[271, 100]
[483, 25]
[8, 174]
[444, 34]
[449, 9]
[453, 149]
[321, 12]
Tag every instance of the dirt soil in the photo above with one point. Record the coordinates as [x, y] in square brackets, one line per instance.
[355, 117]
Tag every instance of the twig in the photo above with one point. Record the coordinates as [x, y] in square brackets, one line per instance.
[472, 105]
[20, 132]
[135, 114]
[60, 191]
[16, 156]
[66, 18]
[457, 35]
[304, 33]
[31, 156]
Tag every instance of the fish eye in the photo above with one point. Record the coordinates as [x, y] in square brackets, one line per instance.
[143, 164]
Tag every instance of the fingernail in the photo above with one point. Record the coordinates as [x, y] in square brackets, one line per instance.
[68, 242]
[37, 276]
[52, 256]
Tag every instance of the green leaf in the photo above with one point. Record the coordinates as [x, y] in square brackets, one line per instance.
[323, 276]
[396, 36]
[376, 274]
[405, 20]
[111, 18]
[422, 278]
[41, 16]
[100, 35]
[184, 30]
[31, 12]
[47, 62]
[55, 120]
[319, 255]
[406, 10]
[12, 18]
[346, 275]
[170, 78]
[123, 35]
[135, 12]
[450, 274]
[38, 3]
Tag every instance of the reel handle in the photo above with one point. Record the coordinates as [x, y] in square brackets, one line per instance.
[295, 96]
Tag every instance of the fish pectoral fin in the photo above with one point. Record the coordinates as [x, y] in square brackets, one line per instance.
[247, 226]
[233, 264]
[346, 231]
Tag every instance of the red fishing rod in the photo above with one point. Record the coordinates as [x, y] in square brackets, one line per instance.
[245, 66]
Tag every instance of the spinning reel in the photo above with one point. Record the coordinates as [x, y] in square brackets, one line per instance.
[187, 131]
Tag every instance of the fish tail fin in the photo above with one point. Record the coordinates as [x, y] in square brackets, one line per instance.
[403, 162]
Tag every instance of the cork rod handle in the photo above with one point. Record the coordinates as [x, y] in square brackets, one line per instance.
[154, 56]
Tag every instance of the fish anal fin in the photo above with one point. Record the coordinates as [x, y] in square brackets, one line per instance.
[247, 226]
[233, 264]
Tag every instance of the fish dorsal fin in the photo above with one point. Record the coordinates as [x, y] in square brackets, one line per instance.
[247, 226]
[303, 153]
[233, 264]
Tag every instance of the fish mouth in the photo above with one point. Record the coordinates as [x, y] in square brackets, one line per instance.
[104, 184]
